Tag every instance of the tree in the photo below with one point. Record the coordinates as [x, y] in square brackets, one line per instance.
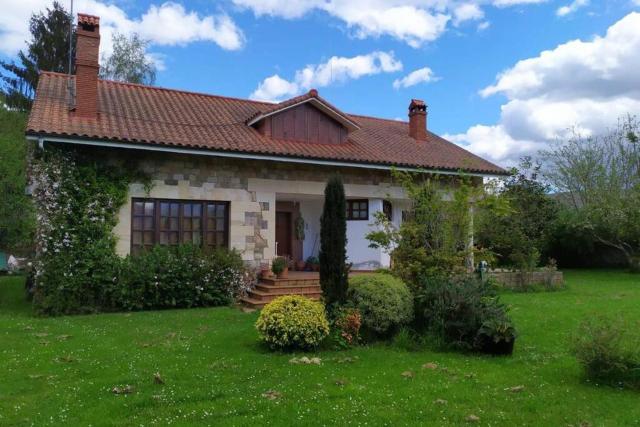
[48, 50]
[600, 177]
[521, 234]
[16, 212]
[435, 237]
[333, 243]
[129, 61]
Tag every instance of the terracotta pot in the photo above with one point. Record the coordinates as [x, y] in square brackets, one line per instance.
[300, 265]
[284, 273]
[266, 273]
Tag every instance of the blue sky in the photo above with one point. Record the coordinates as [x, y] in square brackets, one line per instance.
[462, 47]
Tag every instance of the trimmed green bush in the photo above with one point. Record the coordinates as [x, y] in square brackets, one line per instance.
[609, 351]
[292, 322]
[384, 301]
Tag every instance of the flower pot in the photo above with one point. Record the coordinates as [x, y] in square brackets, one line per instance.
[500, 348]
[283, 274]
[266, 273]
[315, 267]
[300, 265]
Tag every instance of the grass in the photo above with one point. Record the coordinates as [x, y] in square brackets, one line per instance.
[63, 370]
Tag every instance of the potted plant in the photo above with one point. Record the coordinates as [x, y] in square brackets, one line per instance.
[497, 337]
[265, 270]
[280, 267]
[300, 265]
[313, 263]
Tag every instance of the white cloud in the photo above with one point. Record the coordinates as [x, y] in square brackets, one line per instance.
[467, 12]
[572, 7]
[336, 69]
[414, 22]
[493, 143]
[484, 25]
[582, 85]
[507, 3]
[163, 25]
[421, 75]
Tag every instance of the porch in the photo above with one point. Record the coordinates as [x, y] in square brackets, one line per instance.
[297, 227]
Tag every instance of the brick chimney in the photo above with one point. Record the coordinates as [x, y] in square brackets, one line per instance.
[87, 49]
[418, 120]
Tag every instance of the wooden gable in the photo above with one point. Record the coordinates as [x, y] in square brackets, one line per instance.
[303, 123]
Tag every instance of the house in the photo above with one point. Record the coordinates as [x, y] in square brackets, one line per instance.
[235, 172]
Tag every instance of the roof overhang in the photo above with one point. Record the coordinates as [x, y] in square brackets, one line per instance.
[41, 139]
[322, 106]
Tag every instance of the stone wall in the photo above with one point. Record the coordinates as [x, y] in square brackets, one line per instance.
[522, 280]
[250, 186]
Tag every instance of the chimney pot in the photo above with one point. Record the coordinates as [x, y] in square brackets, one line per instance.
[418, 120]
[87, 66]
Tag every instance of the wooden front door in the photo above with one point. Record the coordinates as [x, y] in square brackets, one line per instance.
[283, 233]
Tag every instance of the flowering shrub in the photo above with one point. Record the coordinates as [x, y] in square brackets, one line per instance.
[383, 300]
[178, 277]
[76, 269]
[346, 327]
[292, 322]
[77, 199]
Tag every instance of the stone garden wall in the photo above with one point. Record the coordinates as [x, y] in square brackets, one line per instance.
[551, 279]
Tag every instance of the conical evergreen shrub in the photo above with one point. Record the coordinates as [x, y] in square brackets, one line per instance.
[333, 243]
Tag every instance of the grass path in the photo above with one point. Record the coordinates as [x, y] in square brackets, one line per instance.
[63, 370]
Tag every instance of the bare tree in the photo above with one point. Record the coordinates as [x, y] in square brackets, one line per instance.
[601, 177]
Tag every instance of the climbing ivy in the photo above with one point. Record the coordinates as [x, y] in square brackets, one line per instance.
[77, 195]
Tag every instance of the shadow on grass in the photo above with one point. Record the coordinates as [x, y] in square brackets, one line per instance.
[13, 301]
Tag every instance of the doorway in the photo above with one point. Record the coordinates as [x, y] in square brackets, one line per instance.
[283, 234]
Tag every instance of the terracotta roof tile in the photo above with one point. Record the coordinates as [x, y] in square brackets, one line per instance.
[152, 115]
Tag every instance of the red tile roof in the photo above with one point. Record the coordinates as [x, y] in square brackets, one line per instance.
[150, 115]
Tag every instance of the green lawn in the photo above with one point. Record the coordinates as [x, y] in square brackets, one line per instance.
[62, 370]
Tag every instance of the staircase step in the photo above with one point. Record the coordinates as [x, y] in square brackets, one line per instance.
[270, 296]
[287, 288]
[255, 303]
[290, 282]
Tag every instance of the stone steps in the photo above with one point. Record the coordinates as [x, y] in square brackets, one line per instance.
[269, 289]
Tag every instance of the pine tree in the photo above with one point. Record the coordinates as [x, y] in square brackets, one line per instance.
[333, 243]
[48, 50]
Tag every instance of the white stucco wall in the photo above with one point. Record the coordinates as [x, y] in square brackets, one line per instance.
[311, 210]
[360, 254]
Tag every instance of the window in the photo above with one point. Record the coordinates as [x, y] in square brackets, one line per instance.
[173, 222]
[387, 209]
[357, 210]
[408, 216]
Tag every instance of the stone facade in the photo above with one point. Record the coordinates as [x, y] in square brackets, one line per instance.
[251, 187]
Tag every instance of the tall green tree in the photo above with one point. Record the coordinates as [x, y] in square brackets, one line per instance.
[333, 243]
[48, 50]
[520, 236]
[16, 212]
[129, 61]
[600, 178]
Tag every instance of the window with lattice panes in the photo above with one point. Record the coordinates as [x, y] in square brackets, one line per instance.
[173, 222]
[358, 210]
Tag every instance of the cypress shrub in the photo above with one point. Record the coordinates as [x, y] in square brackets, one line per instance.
[333, 243]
